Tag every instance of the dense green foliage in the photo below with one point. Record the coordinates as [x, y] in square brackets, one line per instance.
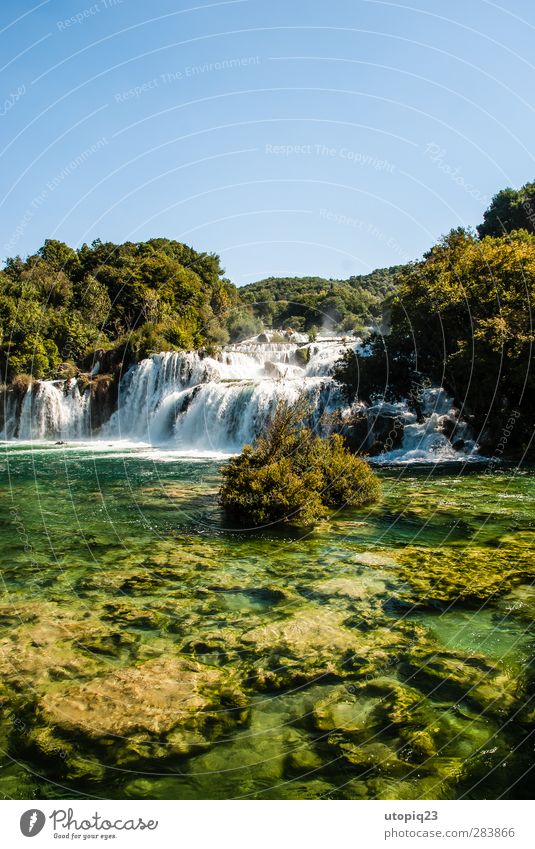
[293, 477]
[59, 305]
[309, 303]
[461, 318]
[511, 209]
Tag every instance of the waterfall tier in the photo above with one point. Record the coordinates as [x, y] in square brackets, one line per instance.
[193, 403]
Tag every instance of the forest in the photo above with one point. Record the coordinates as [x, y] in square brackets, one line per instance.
[60, 306]
[314, 304]
[461, 317]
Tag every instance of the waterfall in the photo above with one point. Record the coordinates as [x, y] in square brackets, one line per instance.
[439, 436]
[195, 403]
[50, 409]
[191, 402]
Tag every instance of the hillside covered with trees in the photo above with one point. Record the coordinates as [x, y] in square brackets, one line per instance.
[462, 318]
[314, 303]
[60, 306]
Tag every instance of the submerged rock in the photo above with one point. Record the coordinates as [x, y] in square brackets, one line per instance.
[131, 615]
[164, 707]
[355, 588]
[370, 759]
[343, 711]
[315, 789]
[51, 645]
[315, 643]
[453, 675]
[303, 761]
[464, 576]
[385, 728]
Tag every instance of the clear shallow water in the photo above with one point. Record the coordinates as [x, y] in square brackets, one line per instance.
[147, 650]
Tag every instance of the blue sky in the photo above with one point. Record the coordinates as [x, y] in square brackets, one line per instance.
[295, 137]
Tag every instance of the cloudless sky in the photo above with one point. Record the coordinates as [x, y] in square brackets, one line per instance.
[289, 136]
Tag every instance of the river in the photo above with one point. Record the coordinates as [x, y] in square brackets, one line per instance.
[149, 650]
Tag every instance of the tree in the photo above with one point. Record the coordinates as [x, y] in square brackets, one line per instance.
[462, 318]
[242, 324]
[59, 257]
[136, 298]
[510, 210]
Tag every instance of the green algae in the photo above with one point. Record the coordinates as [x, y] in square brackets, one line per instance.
[467, 576]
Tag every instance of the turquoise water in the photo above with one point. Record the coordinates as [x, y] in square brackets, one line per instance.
[148, 650]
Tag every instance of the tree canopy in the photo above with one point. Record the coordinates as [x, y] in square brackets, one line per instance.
[61, 304]
[462, 317]
[511, 209]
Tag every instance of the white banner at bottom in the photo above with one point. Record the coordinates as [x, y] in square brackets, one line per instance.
[259, 824]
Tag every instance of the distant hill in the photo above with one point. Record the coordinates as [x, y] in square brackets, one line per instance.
[308, 303]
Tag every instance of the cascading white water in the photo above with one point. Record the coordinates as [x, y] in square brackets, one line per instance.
[193, 403]
[425, 440]
[49, 410]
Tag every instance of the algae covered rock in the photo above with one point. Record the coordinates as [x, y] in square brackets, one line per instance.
[378, 710]
[315, 642]
[453, 675]
[356, 588]
[131, 615]
[466, 576]
[314, 789]
[255, 758]
[50, 645]
[369, 759]
[163, 707]
[343, 710]
[385, 727]
[54, 752]
[303, 761]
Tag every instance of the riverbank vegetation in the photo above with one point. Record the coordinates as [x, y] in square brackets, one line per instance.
[59, 306]
[290, 476]
[460, 318]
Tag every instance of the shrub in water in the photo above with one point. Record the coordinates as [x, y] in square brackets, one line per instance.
[292, 476]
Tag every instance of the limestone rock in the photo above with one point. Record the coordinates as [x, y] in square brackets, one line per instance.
[163, 707]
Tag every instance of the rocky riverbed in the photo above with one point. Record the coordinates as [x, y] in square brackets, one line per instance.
[148, 651]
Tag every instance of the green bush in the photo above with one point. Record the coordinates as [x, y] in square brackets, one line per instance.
[290, 476]
[302, 355]
[348, 481]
